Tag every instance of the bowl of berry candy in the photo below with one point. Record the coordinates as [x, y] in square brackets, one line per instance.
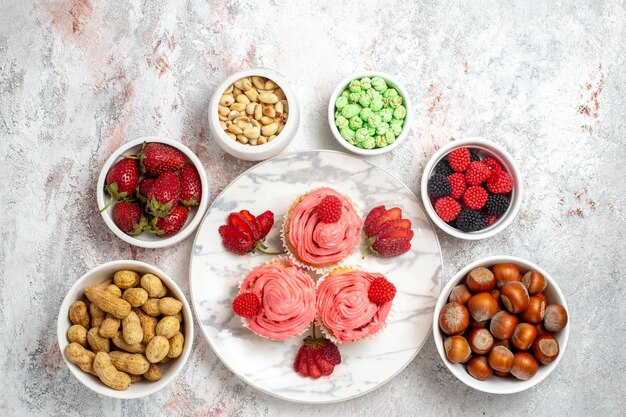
[472, 188]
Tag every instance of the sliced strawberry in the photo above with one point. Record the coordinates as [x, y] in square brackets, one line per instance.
[303, 369]
[235, 240]
[330, 352]
[392, 224]
[325, 367]
[373, 215]
[396, 233]
[391, 214]
[391, 247]
[249, 216]
[238, 221]
[314, 370]
[264, 223]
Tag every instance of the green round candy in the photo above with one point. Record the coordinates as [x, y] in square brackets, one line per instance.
[382, 128]
[354, 97]
[345, 93]
[395, 101]
[337, 113]
[386, 114]
[371, 130]
[341, 122]
[366, 83]
[350, 111]
[379, 84]
[374, 120]
[396, 127]
[361, 134]
[369, 143]
[390, 137]
[399, 112]
[347, 134]
[356, 123]
[380, 141]
[375, 94]
[365, 100]
[366, 112]
[355, 86]
[341, 102]
[391, 93]
[376, 104]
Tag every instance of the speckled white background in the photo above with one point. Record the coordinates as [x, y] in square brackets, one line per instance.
[547, 81]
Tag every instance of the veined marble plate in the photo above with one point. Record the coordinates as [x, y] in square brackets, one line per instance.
[268, 365]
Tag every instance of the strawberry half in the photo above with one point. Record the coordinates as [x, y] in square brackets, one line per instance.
[245, 233]
[121, 181]
[387, 233]
[316, 357]
[190, 186]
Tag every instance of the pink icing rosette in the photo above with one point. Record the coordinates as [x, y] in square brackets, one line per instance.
[287, 296]
[343, 307]
[313, 243]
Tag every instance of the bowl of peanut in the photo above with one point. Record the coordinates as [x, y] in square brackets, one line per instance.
[125, 329]
[254, 114]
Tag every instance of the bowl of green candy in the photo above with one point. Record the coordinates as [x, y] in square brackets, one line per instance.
[369, 113]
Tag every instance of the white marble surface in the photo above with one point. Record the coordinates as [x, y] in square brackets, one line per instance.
[544, 79]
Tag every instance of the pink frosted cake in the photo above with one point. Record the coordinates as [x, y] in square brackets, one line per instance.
[286, 300]
[344, 305]
[314, 243]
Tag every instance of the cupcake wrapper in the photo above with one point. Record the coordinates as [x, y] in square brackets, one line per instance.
[282, 260]
[320, 270]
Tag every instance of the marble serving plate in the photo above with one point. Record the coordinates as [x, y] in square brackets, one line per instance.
[268, 365]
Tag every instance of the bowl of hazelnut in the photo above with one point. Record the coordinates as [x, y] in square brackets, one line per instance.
[501, 324]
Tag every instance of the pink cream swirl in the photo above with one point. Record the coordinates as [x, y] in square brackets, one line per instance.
[287, 296]
[345, 309]
[319, 243]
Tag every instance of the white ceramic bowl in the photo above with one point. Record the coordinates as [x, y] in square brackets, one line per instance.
[494, 384]
[508, 164]
[98, 275]
[145, 239]
[267, 150]
[406, 102]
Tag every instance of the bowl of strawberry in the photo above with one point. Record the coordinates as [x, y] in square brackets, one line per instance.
[472, 188]
[151, 192]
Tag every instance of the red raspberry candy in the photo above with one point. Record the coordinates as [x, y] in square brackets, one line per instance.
[246, 305]
[490, 219]
[457, 182]
[477, 173]
[492, 164]
[381, 291]
[459, 159]
[475, 197]
[500, 182]
[329, 209]
[447, 208]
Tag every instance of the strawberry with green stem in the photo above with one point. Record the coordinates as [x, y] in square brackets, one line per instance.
[156, 158]
[246, 233]
[317, 357]
[163, 195]
[387, 233]
[121, 181]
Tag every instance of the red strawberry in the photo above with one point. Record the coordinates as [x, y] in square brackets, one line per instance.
[329, 209]
[490, 219]
[245, 233]
[121, 180]
[381, 291]
[373, 215]
[316, 357]
[447, 208]
[500, 182]
[475, 197]
[492, 164]
[476, 173]
[164, 194]
[246, 305]
[459, 159]
[170, 225]
[387, 233]
[457, 182]
[143, 188]
[190, 186]
[156, 158]
[129, 217]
